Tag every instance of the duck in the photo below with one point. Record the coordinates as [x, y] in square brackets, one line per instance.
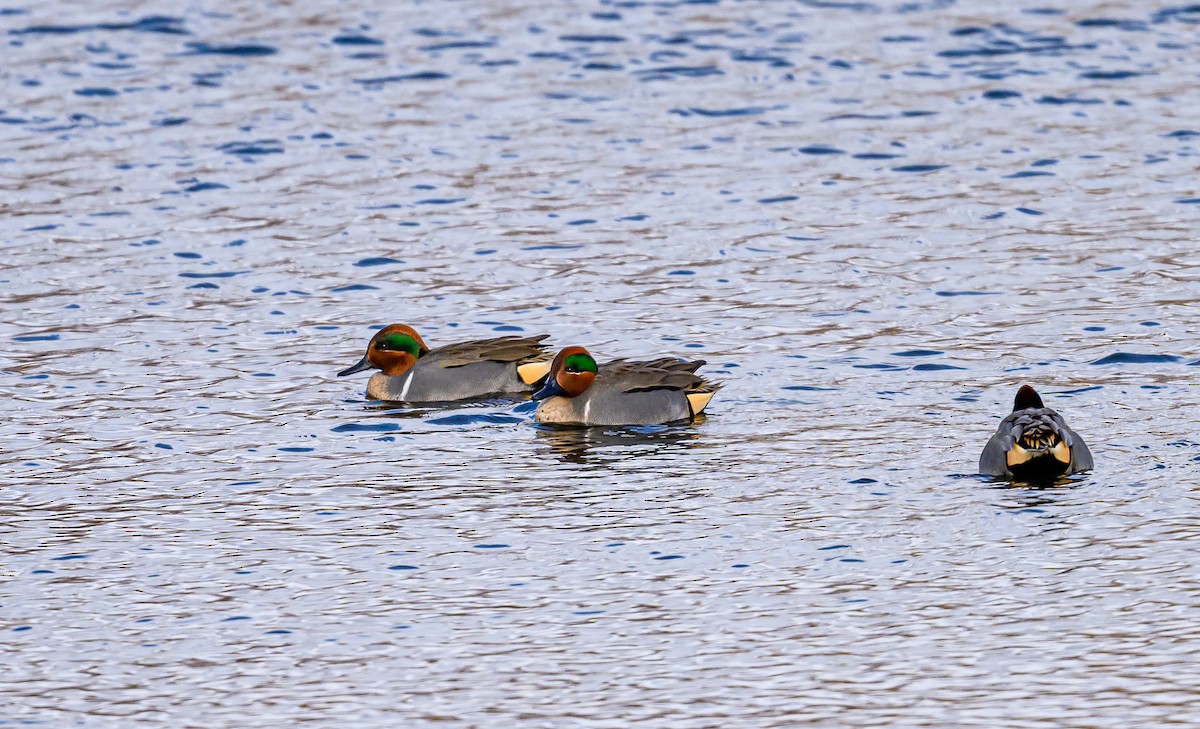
[409, 371]
[1034, 443]
[622, 392]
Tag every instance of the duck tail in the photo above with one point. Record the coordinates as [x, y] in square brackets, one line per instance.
[532, 372]
[697, 401]
[699, 395]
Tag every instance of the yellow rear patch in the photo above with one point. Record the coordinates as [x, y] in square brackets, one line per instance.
[1017, 455]
[531, 372]
[698, 401]
[1062, 453]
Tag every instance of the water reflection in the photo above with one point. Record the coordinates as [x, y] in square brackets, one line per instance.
[597, 446]
[1028, 496]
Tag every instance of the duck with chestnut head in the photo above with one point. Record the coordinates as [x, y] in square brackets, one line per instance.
[1034, 443]
[409, 371]
[621, 392]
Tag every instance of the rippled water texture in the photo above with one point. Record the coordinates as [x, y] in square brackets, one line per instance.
[875, 221]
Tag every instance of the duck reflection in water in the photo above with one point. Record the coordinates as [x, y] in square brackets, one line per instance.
[1045, 500]
[598, 447]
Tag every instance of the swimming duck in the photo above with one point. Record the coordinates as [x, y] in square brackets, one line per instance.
[412, 372]
[578, 392]
[1034, 443]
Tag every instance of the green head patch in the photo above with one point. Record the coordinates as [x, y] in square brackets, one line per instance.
[398, 342]
[575, 363]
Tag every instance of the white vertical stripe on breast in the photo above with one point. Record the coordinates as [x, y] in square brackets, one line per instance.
[407, 384]
[587, 410]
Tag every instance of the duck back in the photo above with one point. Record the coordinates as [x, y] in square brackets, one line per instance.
[1034, 444]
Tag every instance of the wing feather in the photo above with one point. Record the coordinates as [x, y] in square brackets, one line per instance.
[498, 349]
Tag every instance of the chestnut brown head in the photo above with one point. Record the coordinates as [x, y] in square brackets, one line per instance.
[393, 350]
[571, 374]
